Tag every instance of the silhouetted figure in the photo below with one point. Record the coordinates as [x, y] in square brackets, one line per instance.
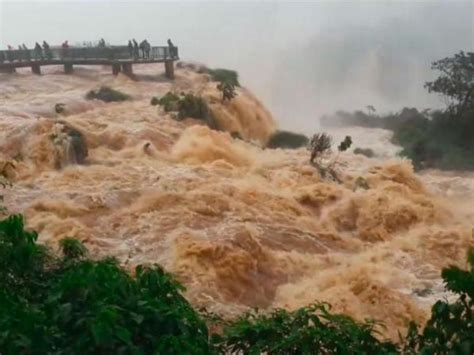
[38, 51]
[101, 43]
[130, 48]
[10, 54]
[27, 52]
[65, 49]
[145, 48]
[47, 50]
[136, 52]
[20, 54]
[170, 48]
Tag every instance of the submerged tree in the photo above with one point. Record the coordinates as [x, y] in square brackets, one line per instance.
[227, 89]
[320, 145]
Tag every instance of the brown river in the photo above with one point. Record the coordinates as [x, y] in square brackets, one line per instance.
[239, 225]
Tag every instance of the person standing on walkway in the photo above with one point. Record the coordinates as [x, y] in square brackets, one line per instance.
[147, 49]
[65, 49]
[47, 50]
[27, 52]
[130, 48]
[171, 49]
[38, 51]
[20, 53]
[136, 52]
[10, 54]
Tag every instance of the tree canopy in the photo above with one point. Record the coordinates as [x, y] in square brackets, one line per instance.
[456, 81]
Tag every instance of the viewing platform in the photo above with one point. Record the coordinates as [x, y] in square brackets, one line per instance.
[118, 57]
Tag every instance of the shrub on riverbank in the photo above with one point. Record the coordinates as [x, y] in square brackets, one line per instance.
[437, 139]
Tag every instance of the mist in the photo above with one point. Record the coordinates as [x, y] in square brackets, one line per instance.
[303, 59]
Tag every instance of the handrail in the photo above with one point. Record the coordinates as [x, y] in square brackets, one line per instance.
[110, 53]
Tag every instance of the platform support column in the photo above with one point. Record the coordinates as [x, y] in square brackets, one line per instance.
[169, 69]
[115, 68]
[68, 68]
[127, 69]
[36, 69]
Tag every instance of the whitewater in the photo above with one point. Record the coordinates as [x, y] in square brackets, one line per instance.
[240, 226]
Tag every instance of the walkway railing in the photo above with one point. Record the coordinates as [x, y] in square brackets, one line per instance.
[112, 53]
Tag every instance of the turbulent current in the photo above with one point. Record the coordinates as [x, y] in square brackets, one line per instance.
[239, 225]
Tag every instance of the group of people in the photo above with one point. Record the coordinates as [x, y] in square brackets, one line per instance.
[40, 52]
[134, 49]
[144, 47]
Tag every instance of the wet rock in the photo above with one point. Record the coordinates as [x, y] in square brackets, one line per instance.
[70, 145]
[423, 292]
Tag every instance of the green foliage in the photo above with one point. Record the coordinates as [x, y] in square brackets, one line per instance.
[227, 90]
[369, 153]
[188, 105]
[287, 140]
[194, 107]
[308, 330]
[345, 144]
[154, 101]
[169, 102]
[320, 144]
[72, 248]
[107, 94]
[456, 81]
[72, 304]
[50, 305]
[225, 76]
[430, 139]
[450, 329]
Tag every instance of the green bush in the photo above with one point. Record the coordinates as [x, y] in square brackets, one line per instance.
[169, 101]
[188, 105]
[154, 101]
[74, 305]
[369, 153]
[192, 106]
[450, 330]
[224, 76]
[431, 140]
[107, 94]
[308, 330]
[227, 90]
[287, 140]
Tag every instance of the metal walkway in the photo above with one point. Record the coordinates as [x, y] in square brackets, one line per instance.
[119, 57]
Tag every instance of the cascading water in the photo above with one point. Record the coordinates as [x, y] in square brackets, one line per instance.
[240, 226]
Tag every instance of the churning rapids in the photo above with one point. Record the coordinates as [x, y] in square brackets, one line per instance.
[240, 226]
